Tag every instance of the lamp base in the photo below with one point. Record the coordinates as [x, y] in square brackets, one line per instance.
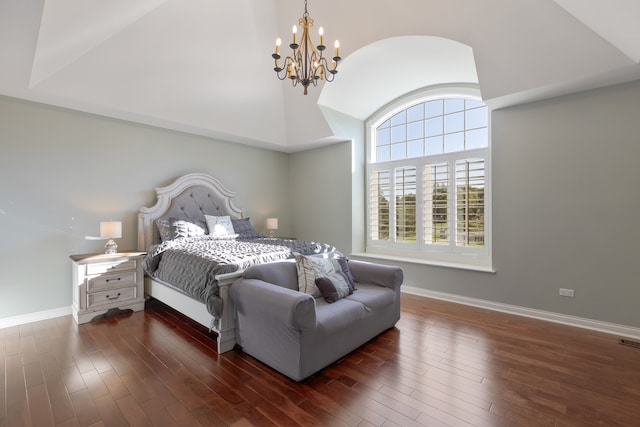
[272, 233]
[110, 247]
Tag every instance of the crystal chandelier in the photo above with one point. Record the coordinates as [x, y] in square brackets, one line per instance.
[306, 64]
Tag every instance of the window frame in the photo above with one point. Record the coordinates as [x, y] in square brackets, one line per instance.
[450, 254]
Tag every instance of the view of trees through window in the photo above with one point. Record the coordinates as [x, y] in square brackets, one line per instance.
[427, 176]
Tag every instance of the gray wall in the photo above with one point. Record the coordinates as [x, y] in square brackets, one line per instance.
[565, 199]
[62, 172]
[565, 207]
[321, 195]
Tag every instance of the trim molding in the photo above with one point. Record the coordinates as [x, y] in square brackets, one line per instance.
[34, 317]
[580, 322]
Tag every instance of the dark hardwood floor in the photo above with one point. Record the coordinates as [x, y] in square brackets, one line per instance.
[443, 364]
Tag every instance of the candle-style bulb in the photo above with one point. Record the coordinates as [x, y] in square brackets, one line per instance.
[278, 43]
[321, 33]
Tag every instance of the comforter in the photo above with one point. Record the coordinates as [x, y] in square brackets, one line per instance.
[191, 264]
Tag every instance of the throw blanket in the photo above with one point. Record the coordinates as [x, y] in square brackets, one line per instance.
[191, 264]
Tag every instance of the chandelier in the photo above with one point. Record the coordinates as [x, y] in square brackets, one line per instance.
[306, 64]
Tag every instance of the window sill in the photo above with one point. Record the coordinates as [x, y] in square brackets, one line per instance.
[459, 266]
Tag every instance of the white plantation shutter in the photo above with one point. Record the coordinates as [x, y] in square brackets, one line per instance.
[470, 178]
[405, 197]
[428, 181]
[379, 204]
[436, 204]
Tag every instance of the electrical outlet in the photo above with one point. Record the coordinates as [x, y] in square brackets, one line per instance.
[566, 292]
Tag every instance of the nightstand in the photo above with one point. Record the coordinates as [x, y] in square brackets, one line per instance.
[105, 281]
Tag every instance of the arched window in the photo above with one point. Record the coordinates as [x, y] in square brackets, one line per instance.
[428, 179]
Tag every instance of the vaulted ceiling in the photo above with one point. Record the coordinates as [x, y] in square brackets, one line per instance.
[205, 66]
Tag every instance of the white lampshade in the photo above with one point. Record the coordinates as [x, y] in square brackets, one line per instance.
[111, 229]
[272, 223]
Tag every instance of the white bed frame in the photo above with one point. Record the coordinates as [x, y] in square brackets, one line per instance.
[148, 235]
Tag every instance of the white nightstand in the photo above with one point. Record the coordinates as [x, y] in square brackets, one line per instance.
[105, 281]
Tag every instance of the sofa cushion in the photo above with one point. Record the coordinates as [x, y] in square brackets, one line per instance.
[373, 297]
[331, 318]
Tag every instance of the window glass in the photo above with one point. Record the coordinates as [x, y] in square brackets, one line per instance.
[451, 105]
[415, 130]
[476, 138]
[398, 151]
[399, 118]
[434, 126]
[454, 142]
[398, 133]
[454, 122]
[415, 113]
[434, 108]
[476, 118]
[432, 199]
[434, 146]
[383, 154]
[383, 136]
[415, 148]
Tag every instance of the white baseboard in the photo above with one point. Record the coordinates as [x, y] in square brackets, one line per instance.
[580, 322]
[34, 317]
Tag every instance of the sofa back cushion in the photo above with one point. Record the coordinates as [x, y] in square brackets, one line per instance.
[282, 273]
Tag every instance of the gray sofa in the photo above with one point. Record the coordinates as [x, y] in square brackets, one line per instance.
[297, 334]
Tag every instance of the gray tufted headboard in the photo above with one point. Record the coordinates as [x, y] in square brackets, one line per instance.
[189, 197]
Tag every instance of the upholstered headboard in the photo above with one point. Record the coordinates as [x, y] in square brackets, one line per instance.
[189, 197]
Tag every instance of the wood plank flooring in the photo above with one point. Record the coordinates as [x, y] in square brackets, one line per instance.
[443, 364]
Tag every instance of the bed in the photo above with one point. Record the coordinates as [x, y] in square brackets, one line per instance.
[192, 271]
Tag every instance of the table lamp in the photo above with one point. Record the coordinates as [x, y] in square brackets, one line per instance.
[110, 230]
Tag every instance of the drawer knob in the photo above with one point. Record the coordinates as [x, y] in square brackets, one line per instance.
[112, 298]
[110, 280]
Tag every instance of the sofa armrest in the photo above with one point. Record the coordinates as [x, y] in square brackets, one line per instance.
[266, 302]
[376, 274]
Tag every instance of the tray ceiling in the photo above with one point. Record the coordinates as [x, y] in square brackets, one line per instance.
[205, 67]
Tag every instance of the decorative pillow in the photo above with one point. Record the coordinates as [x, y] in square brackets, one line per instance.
[344, 266]
[219, 225]
[310, 268]
[175, 228]
[245, 229]
[333, 287]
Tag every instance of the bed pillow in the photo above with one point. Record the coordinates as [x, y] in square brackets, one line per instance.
[173, 228]
[310, 268]
[219, 225]
[245, 229]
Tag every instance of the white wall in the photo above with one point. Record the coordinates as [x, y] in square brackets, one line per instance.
[62, 172]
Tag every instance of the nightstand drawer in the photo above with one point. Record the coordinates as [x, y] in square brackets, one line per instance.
[111, 296]
[110, 281]
[111, 266]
